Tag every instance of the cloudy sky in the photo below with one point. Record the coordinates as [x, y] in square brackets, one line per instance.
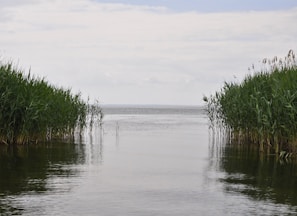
[145, 51]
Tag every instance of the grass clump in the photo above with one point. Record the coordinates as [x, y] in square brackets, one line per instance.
[262, 109]
[31, 109]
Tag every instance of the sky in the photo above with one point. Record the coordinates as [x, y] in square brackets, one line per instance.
[145, 52]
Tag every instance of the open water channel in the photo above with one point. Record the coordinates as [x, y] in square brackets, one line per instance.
[145, 161]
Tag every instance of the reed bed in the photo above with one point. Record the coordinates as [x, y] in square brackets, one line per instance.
[32, 110]
[262, 109]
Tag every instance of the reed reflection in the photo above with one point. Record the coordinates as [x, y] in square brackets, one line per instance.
[28, 170]
[258, 176]
[94, 145]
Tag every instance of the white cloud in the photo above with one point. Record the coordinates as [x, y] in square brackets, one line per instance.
[137, 54]
[7, 3]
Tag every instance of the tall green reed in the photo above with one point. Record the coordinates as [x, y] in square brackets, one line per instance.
[32, 110]
[262, 109]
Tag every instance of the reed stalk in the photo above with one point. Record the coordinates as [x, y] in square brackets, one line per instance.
[263, 107]
[32, 110]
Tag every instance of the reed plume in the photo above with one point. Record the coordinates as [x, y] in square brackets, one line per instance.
[32, 110]
[262, 109]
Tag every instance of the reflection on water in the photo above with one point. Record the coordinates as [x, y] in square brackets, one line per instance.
[146, 161]
[34, 170]
[46, 169]
[256, 176]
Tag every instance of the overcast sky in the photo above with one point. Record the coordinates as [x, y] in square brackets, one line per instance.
[145, 51]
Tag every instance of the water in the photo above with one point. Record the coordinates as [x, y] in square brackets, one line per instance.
[146, 161]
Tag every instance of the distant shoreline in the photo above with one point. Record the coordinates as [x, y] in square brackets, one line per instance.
[151, 109]
[150, 106]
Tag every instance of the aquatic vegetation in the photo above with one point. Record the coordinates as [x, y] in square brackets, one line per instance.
[32, 110]
[262, 109]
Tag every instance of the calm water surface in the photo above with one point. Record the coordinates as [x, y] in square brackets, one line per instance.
[146, 161]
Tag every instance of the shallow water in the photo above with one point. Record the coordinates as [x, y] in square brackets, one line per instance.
[145, 161]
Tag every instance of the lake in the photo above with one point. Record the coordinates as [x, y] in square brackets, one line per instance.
[146, 160]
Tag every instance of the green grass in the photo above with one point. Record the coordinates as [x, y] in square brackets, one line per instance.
[262, 109]
[32, 110]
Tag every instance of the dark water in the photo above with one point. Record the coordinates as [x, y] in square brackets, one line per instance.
[146, 161]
